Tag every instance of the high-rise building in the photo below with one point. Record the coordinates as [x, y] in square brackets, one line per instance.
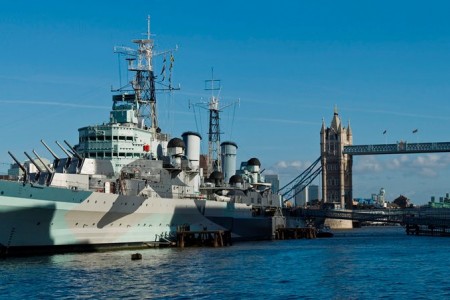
[306, 194]
[313, 193]
[301, 195]
[274, 180]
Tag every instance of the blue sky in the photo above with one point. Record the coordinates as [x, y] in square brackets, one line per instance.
[385, 64]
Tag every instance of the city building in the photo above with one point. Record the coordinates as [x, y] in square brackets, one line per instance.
[274, 181]
[305, 195]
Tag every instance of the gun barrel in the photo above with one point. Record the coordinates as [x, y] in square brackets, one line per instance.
[64, 150]
[73, 150]
[33, 162]
[50, 150]
[22, 167]
[44, 164]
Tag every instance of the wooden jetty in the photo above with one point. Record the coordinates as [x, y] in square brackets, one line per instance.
[429, 221]
[295, 233]
[203, 238]
[430, 230]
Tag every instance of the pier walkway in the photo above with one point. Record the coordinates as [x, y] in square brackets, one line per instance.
[434, 217]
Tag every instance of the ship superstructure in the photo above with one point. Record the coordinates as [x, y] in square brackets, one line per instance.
[128, 184]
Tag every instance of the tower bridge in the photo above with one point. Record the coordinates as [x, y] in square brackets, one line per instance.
[398, 148]
[336, 155]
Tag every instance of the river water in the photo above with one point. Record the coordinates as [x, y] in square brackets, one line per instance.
[366, 263]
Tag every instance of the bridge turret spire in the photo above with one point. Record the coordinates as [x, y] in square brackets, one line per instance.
[335, 122]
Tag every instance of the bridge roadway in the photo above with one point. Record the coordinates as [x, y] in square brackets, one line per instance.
[409, 216]
[399, 148]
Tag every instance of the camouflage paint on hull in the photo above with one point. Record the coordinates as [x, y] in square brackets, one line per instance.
[43, 217]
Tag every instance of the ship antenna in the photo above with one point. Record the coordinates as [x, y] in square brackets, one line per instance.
[142, 94]
[214, 157]
[148, 27]
[214, 162]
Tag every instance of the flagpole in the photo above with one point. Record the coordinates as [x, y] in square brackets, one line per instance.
[414, 133]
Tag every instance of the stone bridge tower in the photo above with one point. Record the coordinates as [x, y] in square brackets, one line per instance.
[336, 166]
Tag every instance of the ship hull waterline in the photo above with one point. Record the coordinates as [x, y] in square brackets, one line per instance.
[41, 219]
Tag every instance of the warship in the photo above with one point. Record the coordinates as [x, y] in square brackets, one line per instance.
[128, 184]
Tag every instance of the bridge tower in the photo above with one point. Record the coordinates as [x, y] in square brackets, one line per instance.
[336, 166]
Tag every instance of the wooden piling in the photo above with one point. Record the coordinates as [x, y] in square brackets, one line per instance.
[295, 233]
[203, 238]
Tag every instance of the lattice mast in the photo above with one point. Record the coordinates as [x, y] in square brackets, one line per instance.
[143, 83]
[214, 157]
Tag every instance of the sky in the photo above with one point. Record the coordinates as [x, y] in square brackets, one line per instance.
[283, 66]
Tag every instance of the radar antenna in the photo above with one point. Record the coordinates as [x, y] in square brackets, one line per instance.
[143, 83]
[214, 161]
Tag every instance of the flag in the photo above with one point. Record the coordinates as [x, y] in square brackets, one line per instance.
[415, 130]
[384, 132]
[163, 71]
[172, 59]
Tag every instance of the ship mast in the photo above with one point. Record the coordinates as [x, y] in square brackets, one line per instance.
[143, 83]
[214, 157]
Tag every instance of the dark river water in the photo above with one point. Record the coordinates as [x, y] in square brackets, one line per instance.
[366, 263]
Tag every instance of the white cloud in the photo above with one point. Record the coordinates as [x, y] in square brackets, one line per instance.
[367, 164]
[295, 164]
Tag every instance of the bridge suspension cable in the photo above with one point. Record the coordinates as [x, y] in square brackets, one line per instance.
[305, 178]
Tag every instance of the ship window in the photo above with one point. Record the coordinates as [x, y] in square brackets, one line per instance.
[99, 154]
[121, 138]
[121, 154]
[101, 138]
[92, 138]
[107, 154]
[108, 138]
[129, 154]
[129, 138]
